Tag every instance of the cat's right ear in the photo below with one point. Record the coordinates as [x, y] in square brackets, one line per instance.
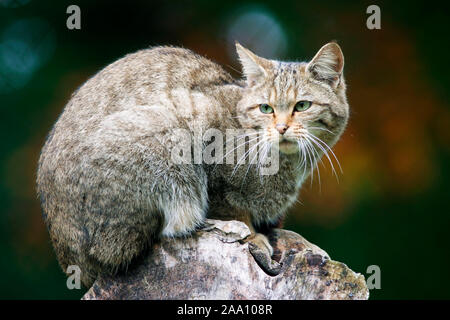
[254, 67]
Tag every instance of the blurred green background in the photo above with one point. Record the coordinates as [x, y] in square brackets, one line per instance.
[391, 205]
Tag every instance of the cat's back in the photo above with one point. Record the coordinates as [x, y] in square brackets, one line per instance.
[138, 78]
[135, 95]
[143, 78]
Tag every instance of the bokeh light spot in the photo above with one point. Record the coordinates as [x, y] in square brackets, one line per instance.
[13, 3]
[24, 47]
[258, 30]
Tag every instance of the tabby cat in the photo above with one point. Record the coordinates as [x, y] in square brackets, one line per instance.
[107, 179]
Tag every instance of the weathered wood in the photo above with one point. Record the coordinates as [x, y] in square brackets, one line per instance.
[216, 264]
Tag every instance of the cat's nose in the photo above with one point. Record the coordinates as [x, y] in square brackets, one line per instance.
[281, 127]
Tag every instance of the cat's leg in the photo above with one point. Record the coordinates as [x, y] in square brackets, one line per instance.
[262, 251]
[132, 192]
[176, 206]
[267, 229]
[114, 244]
[258, 243]
[184, 206]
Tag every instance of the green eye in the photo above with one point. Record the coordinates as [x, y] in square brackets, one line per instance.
[302, 106]
[265, 108]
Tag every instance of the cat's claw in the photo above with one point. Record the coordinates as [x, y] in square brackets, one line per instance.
[262, 251]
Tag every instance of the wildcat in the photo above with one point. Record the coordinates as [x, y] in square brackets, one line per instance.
[106, 179]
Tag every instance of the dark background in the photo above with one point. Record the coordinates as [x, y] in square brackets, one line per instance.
[391, 205]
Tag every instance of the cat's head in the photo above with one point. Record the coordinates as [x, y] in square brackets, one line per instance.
[296, 104]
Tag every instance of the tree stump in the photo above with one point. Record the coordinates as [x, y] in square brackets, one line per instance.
[215, 263]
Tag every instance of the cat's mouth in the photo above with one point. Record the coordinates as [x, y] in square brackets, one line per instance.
[288, 146]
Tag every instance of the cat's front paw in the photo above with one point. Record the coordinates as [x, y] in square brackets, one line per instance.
[262, 252]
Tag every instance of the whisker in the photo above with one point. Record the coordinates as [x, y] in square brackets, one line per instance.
[245, 156]
[307, 136]
[324, 129]
[240, 137]
[304, 159]
[250, 163]
[326, 146]
[238, 146]
[301, 155]
[313, 162]
[251, 133]
[308, 155]
[253, 139]
[267, 146]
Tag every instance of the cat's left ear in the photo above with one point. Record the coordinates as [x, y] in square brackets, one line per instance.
[328, 64]
[254, 67]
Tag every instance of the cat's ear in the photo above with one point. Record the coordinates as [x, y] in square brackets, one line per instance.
[328, 64]
[254, 67]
